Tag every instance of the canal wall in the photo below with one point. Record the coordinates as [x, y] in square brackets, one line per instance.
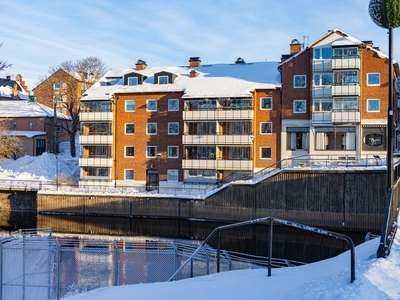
[349, 200]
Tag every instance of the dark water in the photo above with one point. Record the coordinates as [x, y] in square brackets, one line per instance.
[289, 243]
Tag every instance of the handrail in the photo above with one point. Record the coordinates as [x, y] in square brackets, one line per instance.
[218, 230]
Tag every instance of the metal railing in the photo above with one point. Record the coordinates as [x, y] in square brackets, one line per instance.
[271, 220]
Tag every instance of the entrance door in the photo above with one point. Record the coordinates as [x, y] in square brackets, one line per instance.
[152, 180]
[40, 146]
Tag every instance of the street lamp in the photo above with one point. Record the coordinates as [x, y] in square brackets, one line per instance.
[57, 171]
[55, 126]
[158, 166]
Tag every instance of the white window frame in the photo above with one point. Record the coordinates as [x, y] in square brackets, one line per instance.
[133, 78]
[147, 151]
[177, 151]
[59, 127]
[134, 128]
[262, 102]
[174, 173]
[261, 125]
[170, 106]
[368, 105]
[57, 85]
[125, 177]
[261, 153]
[32, 125]
[128, 156]
[151, 101]
[374, 84]
[147, 128]
[169, 128]
[299, 79]
[127, 102]
[296, 108]
[162, 77]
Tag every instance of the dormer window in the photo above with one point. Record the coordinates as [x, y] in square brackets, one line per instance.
[133, 81]
[163, 79]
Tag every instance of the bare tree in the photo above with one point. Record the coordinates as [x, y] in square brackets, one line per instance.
[3, 64]
[10, 145]
[71, 80]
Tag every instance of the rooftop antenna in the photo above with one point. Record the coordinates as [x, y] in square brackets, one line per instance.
[305, 41]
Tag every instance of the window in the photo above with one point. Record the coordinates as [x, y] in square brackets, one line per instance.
[266, 103]
[338, 138]
[323, 79]
[129, 174]
[299, 81]
[345, 104]
[374, 105]
[129, 128]
[323, 53]
[299, 106]
[297, 138]
[265, 127]
[132, 81]
[322, 105]
[173, 128]
[58, 98]
[59, 127]
[32, 125]
[373, 79]
[350, 52]
[151, 151]
[129, 151]
[172, 151]
[345, 77]
[151, 105]
[57, 85]
[172, 175]
[173, 104]
[163, 79]
[13, 125]
[130, 105]
[265, 153]
[151, 128]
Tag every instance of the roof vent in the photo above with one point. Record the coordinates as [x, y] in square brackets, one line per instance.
[193, 73]
[239, 61]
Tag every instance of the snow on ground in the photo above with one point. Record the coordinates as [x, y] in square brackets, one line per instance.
[327, 279]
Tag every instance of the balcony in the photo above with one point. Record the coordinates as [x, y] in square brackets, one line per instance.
[204, 164]
[346, 90]
[96, 139]
[222, 114]
[96, 116]
[322, 117]
[322, 91]
[346, 63]
[96, 162]
[231, 164]
[322, 65]
[346, 116]
[217, 139]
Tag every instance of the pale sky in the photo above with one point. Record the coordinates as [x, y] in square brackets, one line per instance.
[39, 34]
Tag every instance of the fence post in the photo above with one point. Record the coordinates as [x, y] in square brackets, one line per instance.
[116, 277]
[1, 273]
[271, 224]
[58, 269]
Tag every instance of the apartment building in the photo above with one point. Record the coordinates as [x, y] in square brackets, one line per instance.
[334, 98]
[180, 125]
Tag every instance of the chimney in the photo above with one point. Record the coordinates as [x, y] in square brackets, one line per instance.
[295, 47]
[15, 90]
[140, 65]
[193, 73]
[8, 77]
[369, 43]
[194, 62]
[240, 61]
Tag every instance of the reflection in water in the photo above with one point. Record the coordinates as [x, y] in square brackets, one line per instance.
[288, 242]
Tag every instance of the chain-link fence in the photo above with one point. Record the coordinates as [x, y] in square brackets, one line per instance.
[36, 266]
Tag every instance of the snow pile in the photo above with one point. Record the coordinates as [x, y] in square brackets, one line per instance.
[328, 279]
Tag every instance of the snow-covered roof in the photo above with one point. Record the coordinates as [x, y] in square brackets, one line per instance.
[23, 108]
[6, 89]
[28, 134]
[219, 80]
